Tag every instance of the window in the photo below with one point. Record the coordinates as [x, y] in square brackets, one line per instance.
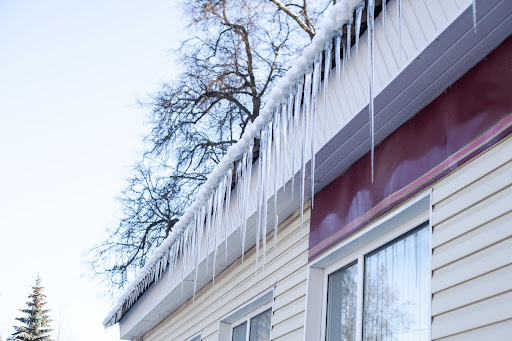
[251, 322]
[253, 327]
[382, 294]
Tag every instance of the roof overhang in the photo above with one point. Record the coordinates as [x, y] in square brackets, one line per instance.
[445, 58]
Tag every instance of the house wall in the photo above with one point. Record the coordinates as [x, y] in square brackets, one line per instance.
[472, 249]
[285, 272]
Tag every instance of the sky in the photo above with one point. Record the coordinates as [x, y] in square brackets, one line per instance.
[70, 76]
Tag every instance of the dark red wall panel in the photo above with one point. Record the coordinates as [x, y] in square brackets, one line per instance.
[471, 115]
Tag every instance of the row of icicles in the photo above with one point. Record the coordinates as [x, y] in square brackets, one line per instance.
[288, 137]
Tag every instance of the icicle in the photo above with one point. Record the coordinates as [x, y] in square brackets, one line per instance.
[284, 140]
[239, 191]
[265, 186]
[371, 62]
[182, 253]
[337, 56]
[200, 218]
[209, 209]
[314, 97]
[399, 9]
[327, 70]
[227, 222]
[196, 253]
[262, 162]
[277, 159]
[474, 15]
[349, 38]
[218, 223]
[214, 234]
[296, 115]
[359, 14]
[305, 126]
[246, 191]
[288, 132]
[344, 62]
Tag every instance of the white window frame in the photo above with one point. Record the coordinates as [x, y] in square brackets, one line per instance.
[196, 337]
[248, 317]
[245, 313]
[391, 226]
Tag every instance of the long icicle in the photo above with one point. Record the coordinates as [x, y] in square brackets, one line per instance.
[337, 56]
[371, 62]
[349, 38]
[239, 191]
[359, 14]
[197, 247]
[265, 186]
[263, 149]
[344, 63]
[247, 185]
[227, 220]
[284, 140]
[208, 230]
[327, 70]
[305, 126]
[277, 159]
[296, 115]
[314, 97]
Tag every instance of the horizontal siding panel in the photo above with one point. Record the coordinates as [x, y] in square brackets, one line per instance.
[480, 314]
[290, 295]
[477, 191]
[238, 285]
[480, 288]
[500, 331]
[291, 308]
[290, 281]
[287, 326]
[495, 206]
[474, 170]
[477, 264]
[473, 241]
[291, 336]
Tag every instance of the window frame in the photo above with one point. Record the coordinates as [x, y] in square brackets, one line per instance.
[361, 244]
[247, 318]
[196, 337]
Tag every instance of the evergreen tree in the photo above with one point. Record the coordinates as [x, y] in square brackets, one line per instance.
[36, 325]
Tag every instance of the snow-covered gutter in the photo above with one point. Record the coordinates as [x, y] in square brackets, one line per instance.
[205, 217]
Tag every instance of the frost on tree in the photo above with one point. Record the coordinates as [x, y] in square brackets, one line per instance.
[285, 131]
[35, 325]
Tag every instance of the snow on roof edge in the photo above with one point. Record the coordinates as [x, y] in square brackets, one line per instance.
[334, 19]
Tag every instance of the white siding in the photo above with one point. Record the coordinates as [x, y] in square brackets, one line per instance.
[285, 273]
[472, 250]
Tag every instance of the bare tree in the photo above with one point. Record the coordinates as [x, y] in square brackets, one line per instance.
[237, 49]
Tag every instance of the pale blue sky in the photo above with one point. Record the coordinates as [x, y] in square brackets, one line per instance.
[70, 74]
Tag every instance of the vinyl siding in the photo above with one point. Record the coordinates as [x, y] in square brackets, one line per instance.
[285, 273]
[472, 250]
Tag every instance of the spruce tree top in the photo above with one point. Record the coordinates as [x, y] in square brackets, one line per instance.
[36, 324]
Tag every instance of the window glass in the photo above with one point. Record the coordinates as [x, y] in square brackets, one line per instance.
[239, 332]
[396, 290]
[342, 304]
[260, 326]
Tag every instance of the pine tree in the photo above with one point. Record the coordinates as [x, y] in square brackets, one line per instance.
[35, 326]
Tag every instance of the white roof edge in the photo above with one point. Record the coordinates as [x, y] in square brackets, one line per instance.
[447, 47]
[335, 18]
